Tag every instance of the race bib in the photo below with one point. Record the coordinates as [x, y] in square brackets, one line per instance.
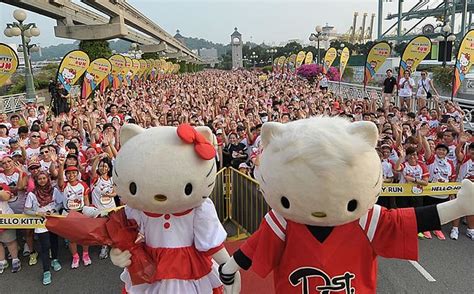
[104, 200]
[14, 198]
[74, 204]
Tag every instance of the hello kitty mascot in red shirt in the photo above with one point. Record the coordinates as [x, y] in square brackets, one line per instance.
[322, 177]
[165, 176]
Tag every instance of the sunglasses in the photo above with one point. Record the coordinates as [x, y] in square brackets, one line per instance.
[44, 152]
[35, 136]
[34, 167]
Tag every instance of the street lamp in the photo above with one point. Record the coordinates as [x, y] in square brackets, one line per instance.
[446, 36]
[318, 36]
[135, 51]
[254, 57]
[271, 52]
[26, 31]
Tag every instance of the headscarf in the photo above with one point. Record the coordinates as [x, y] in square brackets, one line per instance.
[44, 194]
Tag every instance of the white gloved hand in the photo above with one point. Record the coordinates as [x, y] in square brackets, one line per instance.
[90, 211]
[461, 206]
[465, 198]
[235, 287]
[120, 258]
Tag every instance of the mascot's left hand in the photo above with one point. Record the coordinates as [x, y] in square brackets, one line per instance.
[461, 206]
[235, 287]
[465, 198]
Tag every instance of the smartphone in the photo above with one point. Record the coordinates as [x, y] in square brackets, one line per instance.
[444, 118]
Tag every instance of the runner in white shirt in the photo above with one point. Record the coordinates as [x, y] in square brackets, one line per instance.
[75, 195]
[466, 171]
[425, 89]
[405, 93]
[102, 187]
[7, 237]
[45, 200]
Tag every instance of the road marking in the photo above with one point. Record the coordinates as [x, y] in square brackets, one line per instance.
[422, 271]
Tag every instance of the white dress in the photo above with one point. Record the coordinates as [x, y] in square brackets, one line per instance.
[182, 245]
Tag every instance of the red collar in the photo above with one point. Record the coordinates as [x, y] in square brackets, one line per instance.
[151, 214]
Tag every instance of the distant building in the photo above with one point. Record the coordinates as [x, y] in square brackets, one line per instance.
[208, 54]
[236, 41]
[331, 32]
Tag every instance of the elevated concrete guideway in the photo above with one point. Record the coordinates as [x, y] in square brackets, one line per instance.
[79, 23]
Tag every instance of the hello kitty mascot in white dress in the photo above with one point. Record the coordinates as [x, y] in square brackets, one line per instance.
[165, 176]
[322, 177]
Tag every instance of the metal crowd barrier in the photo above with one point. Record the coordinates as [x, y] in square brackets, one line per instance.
[240, 203]
[11, 103]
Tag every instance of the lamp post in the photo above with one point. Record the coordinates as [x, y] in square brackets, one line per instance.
[26, 31]
[271, 52]
[133, 50]
[319, 35]
[254, 57]
[446, 36]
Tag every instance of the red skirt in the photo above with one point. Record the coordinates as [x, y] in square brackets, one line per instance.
[184, 263]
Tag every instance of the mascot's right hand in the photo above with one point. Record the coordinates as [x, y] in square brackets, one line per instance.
[230, 277]
[235, 287]
[120, 258]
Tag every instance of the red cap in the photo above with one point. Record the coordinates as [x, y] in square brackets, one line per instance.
[71, 168]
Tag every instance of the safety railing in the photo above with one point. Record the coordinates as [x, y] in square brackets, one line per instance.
[11, 103]
[240, 203]
[357, 91]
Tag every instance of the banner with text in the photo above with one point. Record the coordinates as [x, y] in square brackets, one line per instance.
[344, 59]
[300, 58]
[415, 52]
[432, 189]
[329, 58]
[118, 63]
[8, 63]
[98, 70]
[463, 60]
[72, 67]
[378, 53]
[309, 58]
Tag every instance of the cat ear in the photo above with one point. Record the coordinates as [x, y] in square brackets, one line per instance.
[270, 130]
[129, 131]
[366, 130]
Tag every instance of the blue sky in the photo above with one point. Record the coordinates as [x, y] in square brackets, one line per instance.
[259, 21]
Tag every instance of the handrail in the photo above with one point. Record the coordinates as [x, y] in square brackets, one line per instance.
[12, 103]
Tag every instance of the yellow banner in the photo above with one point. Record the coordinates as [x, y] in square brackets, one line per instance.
[8, 63]
[329, 58]
[98, 70]
[281, 61]
[128, 66]
[463, 60]
[300, 58]
[375, 59]
[169, 67]
[309, 58]
[135, 69]
[149, 67]
[118, 63]
[415, 51]
[142, 68]
[432, 189]
[344, 59]
[72, 67]
[292, 63]
[21, 221]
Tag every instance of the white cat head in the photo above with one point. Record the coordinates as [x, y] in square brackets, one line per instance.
[320, 171]
[157, 171]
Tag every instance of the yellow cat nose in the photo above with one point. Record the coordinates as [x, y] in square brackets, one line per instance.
[318, 214]
[160, 197]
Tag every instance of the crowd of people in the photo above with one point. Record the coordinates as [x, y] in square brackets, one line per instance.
[60, 159]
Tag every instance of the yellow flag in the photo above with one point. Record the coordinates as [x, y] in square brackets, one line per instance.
[345, 54]
[309, 58]
[415, 51]
[72, 67]
[8, 63]
[329, 58]
[378, 53]
[300, 58]
[98, 70]
[464, 60]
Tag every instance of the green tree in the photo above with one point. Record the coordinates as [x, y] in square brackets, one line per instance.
[150, 55]
[96, 48]
[399, 48]
[443, 78]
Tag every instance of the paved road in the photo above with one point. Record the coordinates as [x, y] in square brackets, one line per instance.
[450, 263]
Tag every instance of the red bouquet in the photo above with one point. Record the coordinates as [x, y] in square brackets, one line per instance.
[115, 231]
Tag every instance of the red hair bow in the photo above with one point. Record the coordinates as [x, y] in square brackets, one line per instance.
[203, 148]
